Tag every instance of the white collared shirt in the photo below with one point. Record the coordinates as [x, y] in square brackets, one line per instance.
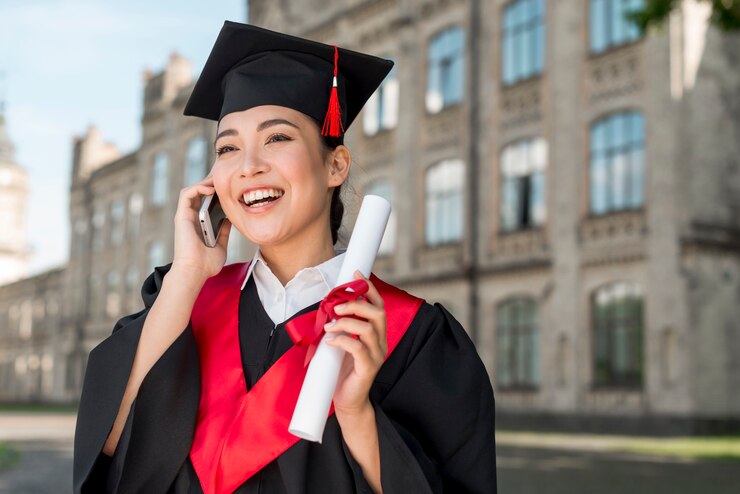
[307, 287]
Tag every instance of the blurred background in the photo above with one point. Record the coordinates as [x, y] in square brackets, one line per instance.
[564, 176]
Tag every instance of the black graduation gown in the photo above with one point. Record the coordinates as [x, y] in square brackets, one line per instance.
[433, 403]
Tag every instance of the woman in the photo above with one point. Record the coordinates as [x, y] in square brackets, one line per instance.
[192, 394]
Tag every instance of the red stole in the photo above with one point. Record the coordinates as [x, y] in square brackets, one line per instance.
[239, 432]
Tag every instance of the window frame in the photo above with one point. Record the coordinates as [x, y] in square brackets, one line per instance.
[631, 380]
[533, 23]
[628, 202]
[434, 40]
[525, 330]
[456, 237]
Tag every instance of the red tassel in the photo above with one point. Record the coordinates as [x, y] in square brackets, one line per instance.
[333, 121]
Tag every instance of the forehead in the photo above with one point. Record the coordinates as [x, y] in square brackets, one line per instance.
[253, 117]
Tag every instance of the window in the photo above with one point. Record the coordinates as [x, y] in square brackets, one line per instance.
[523, 167]
[444, 202]
[117, 210]
[98, 222]
[159, 180]
[523, 47]
[617, 163]
[112, 297]
[135, 205]
[196, 167]
[445, 76]
[384, 189]
[610, 25]
[381, 110]
[617, 318]
[156, 254]
[517, 348]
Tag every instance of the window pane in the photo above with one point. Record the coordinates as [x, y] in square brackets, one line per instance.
[444, 205]
[617, 162]
[598, 32]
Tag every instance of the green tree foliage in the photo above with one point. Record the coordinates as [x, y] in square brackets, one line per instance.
[725, 13]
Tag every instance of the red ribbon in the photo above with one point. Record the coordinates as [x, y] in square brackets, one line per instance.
[307, 330]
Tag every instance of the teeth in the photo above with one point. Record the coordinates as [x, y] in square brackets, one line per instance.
[258, 195]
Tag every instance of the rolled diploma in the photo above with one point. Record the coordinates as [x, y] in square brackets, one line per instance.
[312, 409]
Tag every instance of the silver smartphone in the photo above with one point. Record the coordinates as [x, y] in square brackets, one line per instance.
[211, 215]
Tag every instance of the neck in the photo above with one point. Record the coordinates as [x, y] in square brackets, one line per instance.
[286, 260]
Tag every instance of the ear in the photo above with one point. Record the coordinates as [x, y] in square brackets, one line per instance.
[340, 161]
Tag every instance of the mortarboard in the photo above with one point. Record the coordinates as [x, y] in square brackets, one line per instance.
[251, 66]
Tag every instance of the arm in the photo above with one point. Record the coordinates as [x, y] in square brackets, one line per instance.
[166, 320]
[168, 317]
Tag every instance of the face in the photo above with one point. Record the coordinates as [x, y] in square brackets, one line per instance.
[273, 175]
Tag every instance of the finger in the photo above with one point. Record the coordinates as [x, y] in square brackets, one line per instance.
[363, 361]
[372, 293]
[360, 308]
[368, 334]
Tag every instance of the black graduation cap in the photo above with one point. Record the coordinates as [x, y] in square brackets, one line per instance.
[251, 66]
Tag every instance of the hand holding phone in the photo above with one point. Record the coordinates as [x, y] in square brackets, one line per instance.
[211, 216]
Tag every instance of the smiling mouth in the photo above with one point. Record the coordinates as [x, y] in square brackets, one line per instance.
[261, 197]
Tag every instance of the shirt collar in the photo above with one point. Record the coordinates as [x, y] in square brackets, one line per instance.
[328, 269]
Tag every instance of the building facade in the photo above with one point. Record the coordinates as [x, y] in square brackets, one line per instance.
[566, 186]
[14, 251]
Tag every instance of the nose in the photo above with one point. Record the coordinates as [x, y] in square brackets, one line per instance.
[252, 164]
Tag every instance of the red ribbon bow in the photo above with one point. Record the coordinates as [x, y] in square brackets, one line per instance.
[307, 330]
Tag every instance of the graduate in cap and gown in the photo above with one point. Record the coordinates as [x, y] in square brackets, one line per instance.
[194, 393]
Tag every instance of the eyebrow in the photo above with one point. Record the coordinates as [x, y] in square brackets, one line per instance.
[275, 121]
[264, 125]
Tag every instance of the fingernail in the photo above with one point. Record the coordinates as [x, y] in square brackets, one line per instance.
[340, 307]
[329, 337]
[330, 324]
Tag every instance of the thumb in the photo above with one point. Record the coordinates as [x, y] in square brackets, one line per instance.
[223, 236]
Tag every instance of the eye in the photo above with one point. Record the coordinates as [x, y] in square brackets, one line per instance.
[224, 149]
[277, 138]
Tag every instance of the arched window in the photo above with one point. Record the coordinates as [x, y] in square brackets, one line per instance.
[384, 189]
[610, 25]
[444, 186]
[517, 343]
[159, 179]
[617, 169]
[523, 165]
[445, 70]
[617, 319]
[523, 46]
[98, 224]
[381, 110]
[196, 167]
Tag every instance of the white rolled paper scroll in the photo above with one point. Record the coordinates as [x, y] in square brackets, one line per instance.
[314, 401]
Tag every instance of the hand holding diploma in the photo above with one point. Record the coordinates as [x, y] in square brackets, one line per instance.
[363, 340]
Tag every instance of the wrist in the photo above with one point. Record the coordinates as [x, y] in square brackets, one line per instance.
[348, 417]
[191, 276]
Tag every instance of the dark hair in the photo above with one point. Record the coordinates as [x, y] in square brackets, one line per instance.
[336, 211]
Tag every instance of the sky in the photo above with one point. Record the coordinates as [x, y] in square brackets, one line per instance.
[74, 63]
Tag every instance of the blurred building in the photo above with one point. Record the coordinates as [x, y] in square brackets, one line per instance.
[14, 251]
[568, 188]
